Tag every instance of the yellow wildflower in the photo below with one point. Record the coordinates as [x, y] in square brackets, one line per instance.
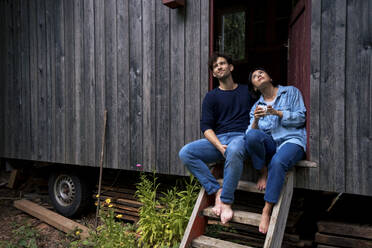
[77, 233]
[119, 216]
[110, 206]
[96, 203]
[97, 196]
[108, 201]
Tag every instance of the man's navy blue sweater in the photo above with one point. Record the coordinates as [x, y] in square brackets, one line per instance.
[226, 110]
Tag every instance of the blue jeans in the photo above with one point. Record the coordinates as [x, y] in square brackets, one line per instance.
[196, 154]
[263, 149]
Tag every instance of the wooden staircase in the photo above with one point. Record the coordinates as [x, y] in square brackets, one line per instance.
[194, 234]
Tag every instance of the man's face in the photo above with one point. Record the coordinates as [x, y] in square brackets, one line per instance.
[221, 69]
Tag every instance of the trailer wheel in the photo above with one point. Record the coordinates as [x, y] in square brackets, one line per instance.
[68, 192]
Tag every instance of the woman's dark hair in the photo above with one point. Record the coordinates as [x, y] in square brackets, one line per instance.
[214, 58]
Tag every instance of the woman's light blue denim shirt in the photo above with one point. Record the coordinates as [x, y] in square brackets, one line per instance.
[289, 128]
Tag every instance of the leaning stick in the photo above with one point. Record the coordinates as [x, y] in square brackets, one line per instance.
[101, 168]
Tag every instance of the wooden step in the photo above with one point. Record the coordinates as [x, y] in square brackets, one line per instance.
[246, 186]
[241, 217]
[208, 242]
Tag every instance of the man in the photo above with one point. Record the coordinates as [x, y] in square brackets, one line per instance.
[225, 117]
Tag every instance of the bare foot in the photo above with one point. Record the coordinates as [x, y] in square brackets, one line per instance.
[264, 223]
[217, 204]
[261, 183]
[265, 217]
[226, 213]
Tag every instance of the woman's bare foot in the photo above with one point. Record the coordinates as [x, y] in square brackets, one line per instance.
[265, 218]
[217, 203]
[226, 213]
[261, 183]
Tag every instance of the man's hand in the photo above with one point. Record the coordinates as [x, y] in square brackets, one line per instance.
[222, 149]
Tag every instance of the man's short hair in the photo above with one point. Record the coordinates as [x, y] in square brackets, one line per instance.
[215, 56]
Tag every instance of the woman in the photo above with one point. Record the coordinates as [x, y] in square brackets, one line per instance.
[276, 136]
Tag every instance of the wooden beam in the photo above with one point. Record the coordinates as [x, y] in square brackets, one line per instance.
[241, 217]
[197, 223]
[204, 242]
[278, 220]
[341, 241]
[354, 230]
[58, 221]
[14, 175]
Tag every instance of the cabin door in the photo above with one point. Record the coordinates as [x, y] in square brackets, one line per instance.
[299, 51]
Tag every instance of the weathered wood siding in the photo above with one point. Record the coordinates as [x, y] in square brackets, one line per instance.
[63, 62]
[341, 91]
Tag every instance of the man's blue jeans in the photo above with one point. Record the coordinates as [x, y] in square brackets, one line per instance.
[197, 154]
[262, 149]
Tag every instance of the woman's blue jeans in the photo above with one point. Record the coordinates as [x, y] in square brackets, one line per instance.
[263, 149]
[197, 154]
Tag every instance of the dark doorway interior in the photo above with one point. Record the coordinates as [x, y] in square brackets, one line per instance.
[254, 33]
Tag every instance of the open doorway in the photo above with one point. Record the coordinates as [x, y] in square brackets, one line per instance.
[254, 33]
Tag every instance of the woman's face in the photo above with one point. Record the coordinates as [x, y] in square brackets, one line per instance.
[260, 78]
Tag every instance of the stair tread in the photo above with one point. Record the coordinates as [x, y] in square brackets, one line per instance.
[246, 186]
[208, 242]
[242, 217]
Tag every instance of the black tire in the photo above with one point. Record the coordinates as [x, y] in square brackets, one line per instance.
[69, 193]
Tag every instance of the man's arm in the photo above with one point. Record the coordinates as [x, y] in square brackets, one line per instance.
[211, 136]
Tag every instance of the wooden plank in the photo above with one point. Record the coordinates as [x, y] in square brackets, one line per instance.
[162, 88]
[42, 127]
[208, 242]
[70, 131]
[90, 84]
[3, 61]
[278, 220]
[111, 84]
[123, 85]
[197, 223]
[326, 246]
[311, 177]
[341, 241]
[358, 84]
[204, 48]
[135, 81]
[16, 119]
[192, 65]
[9, 105]
[58, 221]
[177, 87]
[100, 72]
[14, 176]
[51, 78]
[79, 130]
[332, 96]
[347, 229]
[241, 217]
[60, 84]
[246, 186]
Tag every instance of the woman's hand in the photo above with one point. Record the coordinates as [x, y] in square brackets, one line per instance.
[271, 111]
[259, 112]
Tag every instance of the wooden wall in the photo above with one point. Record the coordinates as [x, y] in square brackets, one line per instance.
[341, 92]
[63, 62]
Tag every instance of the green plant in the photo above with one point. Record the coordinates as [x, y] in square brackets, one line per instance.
[111, 234]
[24, 236]
[163, 221]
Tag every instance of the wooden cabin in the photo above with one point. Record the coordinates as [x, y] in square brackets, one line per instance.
[63, 62]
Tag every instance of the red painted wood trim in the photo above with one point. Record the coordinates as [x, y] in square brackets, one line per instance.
[298, 9]
[211, 38]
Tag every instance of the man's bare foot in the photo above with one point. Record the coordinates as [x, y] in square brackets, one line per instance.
[217, 203]
[226, 213]
[261, 183]
[265, 217]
